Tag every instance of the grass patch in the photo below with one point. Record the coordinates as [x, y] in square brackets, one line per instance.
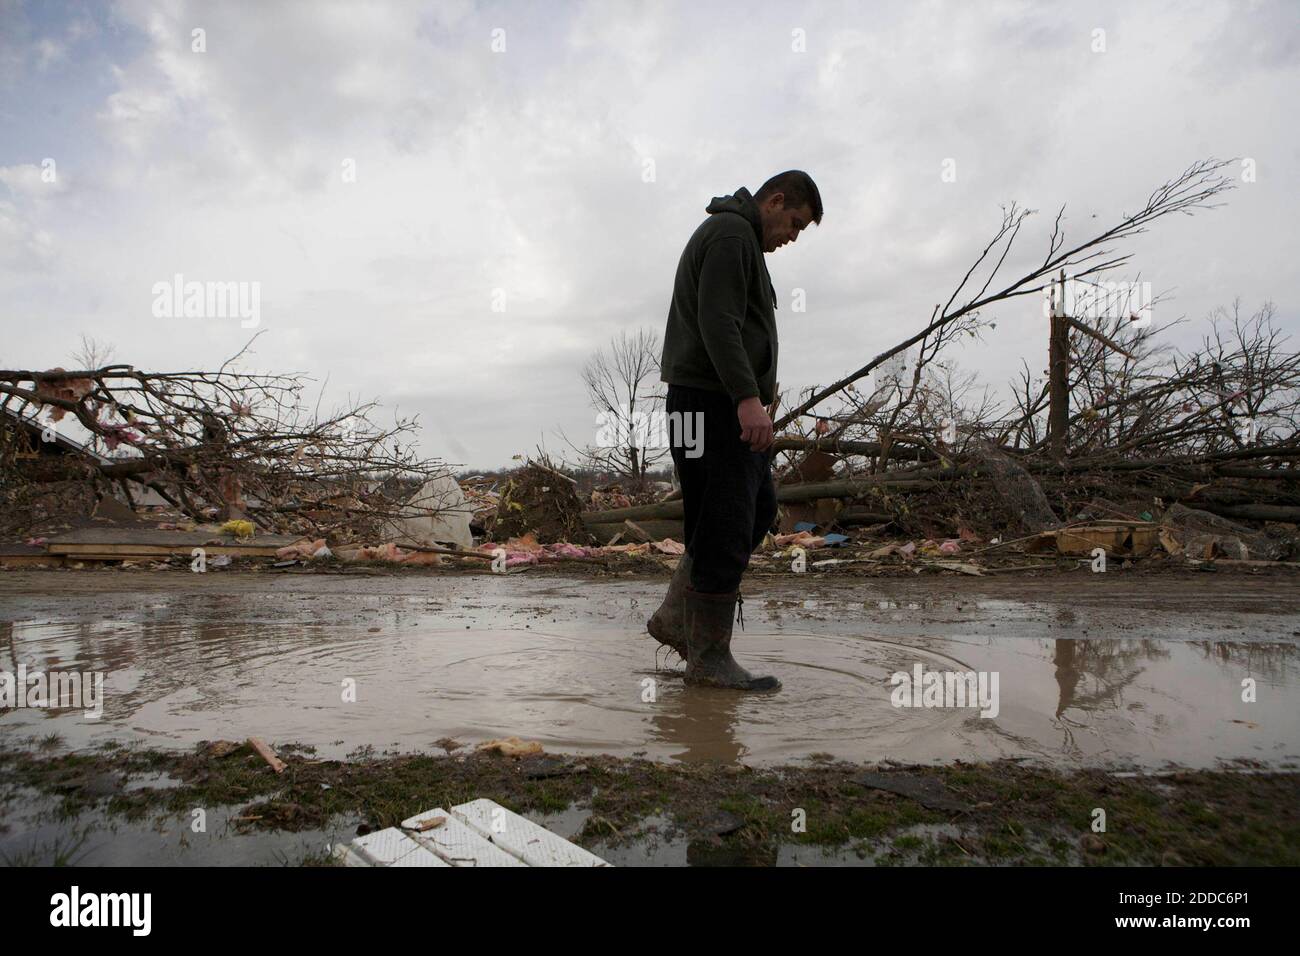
[1011, 814]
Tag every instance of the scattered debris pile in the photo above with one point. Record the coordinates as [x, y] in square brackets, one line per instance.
[541, 500]
[1123, 447]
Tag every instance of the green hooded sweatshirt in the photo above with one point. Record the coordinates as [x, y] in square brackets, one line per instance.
[721, 331]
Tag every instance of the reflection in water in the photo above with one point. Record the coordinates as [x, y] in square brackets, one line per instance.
[701, 724]
[1106, 669]
[1267, 660]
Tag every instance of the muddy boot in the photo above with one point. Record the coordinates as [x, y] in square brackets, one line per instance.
[708, 637]
[668, 625]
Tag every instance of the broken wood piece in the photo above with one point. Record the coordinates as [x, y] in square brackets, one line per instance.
[1097, 334]
[264, 751]
[429, 823]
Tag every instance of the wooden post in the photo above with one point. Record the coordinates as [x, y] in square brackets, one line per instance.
[1058, 370]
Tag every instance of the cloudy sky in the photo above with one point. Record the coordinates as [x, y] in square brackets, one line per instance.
[516, 176]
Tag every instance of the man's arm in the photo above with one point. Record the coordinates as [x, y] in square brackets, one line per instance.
[723, 293]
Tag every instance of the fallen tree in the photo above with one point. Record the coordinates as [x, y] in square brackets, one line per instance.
[1195, 188]
[1116, 417]
[221, 443]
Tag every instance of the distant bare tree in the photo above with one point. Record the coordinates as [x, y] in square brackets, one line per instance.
[622, 383]
[92, 353]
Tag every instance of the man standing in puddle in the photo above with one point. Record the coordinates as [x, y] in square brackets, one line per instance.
[719, 360]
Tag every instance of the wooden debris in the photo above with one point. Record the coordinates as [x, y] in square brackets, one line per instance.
[511, 747]
[428, 823]
[1130, 539]
[266, 753]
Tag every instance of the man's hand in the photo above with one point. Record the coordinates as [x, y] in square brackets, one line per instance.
[755, 424]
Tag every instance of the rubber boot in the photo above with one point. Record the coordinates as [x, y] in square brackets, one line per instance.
[668, 624]
[708, 641]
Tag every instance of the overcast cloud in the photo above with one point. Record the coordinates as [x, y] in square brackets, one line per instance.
[522, 171]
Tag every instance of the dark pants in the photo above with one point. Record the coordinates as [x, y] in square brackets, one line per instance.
[727, 492]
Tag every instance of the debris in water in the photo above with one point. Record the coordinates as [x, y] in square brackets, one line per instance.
[266, 753]
[511, 747]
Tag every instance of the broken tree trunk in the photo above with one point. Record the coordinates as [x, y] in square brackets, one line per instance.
[840, 488]
[1058, 372]
[1252, 512]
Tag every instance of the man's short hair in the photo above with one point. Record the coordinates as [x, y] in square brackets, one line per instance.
[798, 189]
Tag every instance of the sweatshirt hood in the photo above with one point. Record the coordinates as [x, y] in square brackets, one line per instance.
[742, 204]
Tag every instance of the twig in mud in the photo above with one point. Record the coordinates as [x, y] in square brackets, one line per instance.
[1020, 567]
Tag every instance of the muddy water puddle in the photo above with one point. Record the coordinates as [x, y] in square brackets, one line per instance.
[408, 674]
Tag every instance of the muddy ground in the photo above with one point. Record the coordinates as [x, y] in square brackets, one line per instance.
[125, 806]
[1119, 691]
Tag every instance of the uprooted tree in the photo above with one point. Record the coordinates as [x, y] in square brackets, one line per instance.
[1147, 421]
[214, 443]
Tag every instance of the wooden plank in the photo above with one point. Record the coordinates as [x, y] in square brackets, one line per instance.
[117, 551]
[158, 538]
[521, 837]
[30, 560]
[457, 843]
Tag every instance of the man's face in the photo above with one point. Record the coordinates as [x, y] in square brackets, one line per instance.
[782, 224]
